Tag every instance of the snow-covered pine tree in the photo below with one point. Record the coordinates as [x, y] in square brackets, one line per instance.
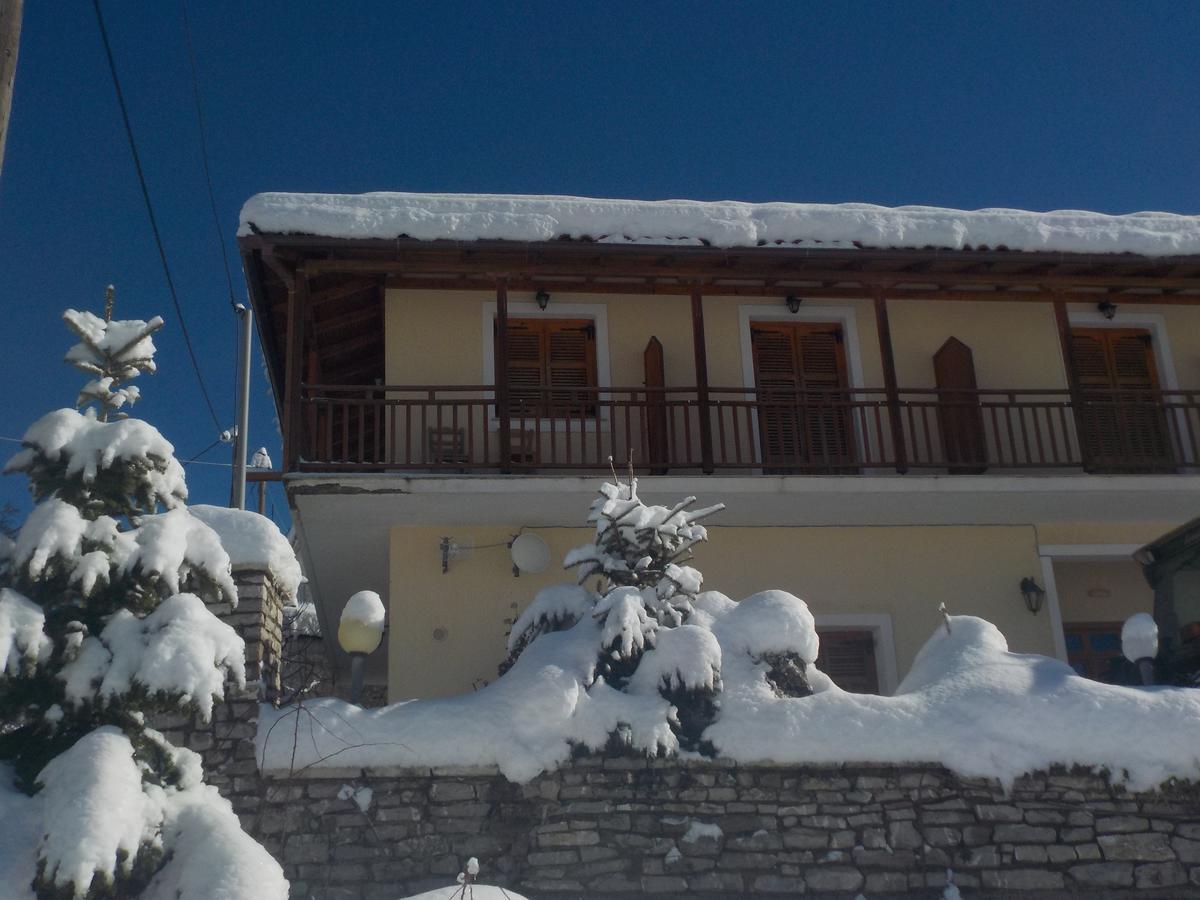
[656, 633]
[103, 620]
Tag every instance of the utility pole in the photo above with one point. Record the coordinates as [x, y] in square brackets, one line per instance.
[10, 39]
[237, 498]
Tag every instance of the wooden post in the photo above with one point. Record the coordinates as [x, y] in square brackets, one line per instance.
[888, 361]
[297, 313]
[701, 354]
[1063, 323]
[503, 409]
[10, 39]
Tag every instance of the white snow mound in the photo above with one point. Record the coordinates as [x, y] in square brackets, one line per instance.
[968, 704]
[253, 542]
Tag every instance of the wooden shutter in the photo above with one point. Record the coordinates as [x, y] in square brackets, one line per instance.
[570, 348]
[545, 354]
[800, 372]
[1122, 422]
[848, 657]
[657, 451]
[960, 418]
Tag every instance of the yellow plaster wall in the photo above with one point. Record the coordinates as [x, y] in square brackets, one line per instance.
[1101, 591]
[1050, 533]
[437, 337]
[904, 571]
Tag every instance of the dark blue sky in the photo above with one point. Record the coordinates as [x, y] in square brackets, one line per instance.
[1032, 105]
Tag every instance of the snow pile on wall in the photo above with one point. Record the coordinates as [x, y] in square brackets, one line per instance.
[469, 217]
[968, 703]
[95, 815]
[253, 542]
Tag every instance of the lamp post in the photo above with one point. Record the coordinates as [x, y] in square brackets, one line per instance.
[359, 632]
[1139, 644]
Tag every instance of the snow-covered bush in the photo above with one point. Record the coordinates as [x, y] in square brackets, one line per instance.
[103, 620]
[655, 636]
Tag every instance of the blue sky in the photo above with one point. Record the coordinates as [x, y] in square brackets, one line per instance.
[1030, 105]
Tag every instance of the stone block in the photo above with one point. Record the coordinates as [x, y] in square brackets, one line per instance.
[663, 884]
[450, 792]
[1144, 847]
[1187, 850]
[1121, 824]
[834, 878]
[1106, 874]
[1023, 834]
[1023, 880]
[1157, 875]
[777, 884]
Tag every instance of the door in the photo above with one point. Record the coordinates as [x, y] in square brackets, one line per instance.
[803, 402]
[1122, 422]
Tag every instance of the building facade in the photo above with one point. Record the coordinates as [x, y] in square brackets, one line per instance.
[895, 417]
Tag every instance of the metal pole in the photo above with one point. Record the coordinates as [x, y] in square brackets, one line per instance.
[358, 669]
[10, 39]
[238, 494]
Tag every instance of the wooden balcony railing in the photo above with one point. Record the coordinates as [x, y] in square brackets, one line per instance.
[436, 428]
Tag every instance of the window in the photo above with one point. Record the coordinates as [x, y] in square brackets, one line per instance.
[551, 366]
[1121, 419]
[848, 658]
[803, 400]
[1094, 650]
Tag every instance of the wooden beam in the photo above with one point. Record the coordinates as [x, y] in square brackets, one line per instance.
[352, 345]
[502, 406]
[700, 352]
[341, 292]
[1063, 323]
[297, 316]
[888, 361]
[349, 320]
[751, 262]
[775, 288]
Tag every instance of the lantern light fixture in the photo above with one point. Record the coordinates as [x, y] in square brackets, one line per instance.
[1034, 595]
[543, 299]
[360, 631]
[793, 303]
[1107, 308]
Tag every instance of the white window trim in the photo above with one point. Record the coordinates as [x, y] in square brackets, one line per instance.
[558, 309]
[1048, 553]
[840, 315]
[880, 626]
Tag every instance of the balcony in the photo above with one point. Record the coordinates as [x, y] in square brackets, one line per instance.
[744, 431]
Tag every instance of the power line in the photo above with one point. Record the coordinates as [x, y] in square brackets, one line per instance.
[212, 200]
[162, 253]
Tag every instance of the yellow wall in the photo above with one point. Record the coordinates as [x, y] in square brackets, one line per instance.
[1101, 591]
[904, 571]
[436, 337]
[1050, 533]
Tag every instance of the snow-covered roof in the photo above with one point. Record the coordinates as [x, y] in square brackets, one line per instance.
[471, 217]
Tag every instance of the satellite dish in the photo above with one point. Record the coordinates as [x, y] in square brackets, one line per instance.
[530, 553]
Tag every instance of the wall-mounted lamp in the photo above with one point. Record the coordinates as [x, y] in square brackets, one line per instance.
[1033, 593]
[454, 548]
[542, 298]
[1106, 308]
[529, 554]
[359, 632]
[793, 303]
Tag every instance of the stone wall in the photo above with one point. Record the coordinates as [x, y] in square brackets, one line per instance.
[626, 826]
[226, 743]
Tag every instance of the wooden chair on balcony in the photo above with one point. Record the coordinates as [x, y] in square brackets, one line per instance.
[447, 449]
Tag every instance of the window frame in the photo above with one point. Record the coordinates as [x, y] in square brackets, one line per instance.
[558, 309]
